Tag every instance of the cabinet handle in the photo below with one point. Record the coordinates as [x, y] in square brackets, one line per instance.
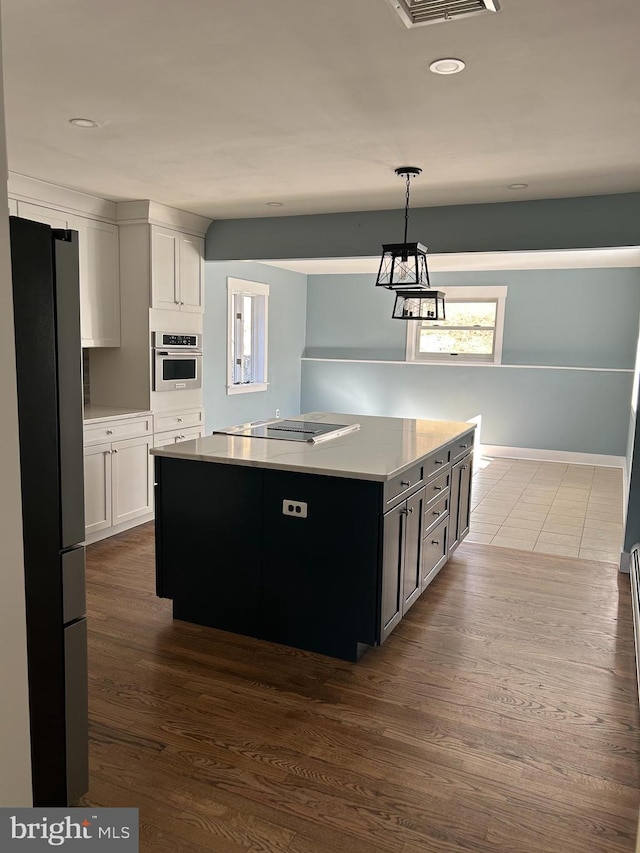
[115, 449]
[464, 446]
[438, 461]
[108, 452]
[435, 541]
[408, 510]
[405, 482]
[437, 488]
[437, 513]
[181, 437]
[109, 432]
[463, 467]
[179, 420]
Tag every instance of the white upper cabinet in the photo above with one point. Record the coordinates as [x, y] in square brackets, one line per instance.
[99, 271]
[192, 273]
[165, 268]
[99, 283]
[177, 270]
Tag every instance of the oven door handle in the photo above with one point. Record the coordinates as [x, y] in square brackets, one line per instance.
[184, 353]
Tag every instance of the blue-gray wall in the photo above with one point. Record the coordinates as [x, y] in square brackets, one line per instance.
[287, 317]
[553, 318]
[564, 223]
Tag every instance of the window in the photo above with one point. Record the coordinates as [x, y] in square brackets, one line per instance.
[471, 332]
[247, 336]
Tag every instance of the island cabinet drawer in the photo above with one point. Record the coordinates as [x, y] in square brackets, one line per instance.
[435, 512]
[437, 487]
[434, 552]
[115, 430]
[178, 420]
[402, 485]
[461, 447]
[435, 463]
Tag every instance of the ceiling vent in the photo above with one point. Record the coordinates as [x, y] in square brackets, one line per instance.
[417, 13]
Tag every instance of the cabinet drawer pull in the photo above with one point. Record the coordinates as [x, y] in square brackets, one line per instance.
[463, 467]
[405, 482]
[435, 541]
[435, 512]
[464, 446]
[408, 510]
[115, 449]
[109, 432]
[180, 420]
[437, 488]
[438, 461]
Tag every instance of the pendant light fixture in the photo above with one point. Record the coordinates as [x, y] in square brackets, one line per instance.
[403, 268]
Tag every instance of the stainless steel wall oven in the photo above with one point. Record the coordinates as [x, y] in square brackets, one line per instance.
[177, 361]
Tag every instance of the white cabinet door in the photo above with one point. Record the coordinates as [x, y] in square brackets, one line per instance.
[97, 488]
[191, 273]
[99, 272]
[132, 478]
[165, 268]
[54, 218]
[99, 283]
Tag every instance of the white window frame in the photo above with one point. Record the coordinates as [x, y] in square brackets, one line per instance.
[462, 294]
[242, 286]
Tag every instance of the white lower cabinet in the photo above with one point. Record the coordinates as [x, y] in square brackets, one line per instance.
[175, 437]
[118, 483]
[174, 427]
[97, 488]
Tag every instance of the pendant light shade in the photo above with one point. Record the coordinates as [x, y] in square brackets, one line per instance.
[403, 268]
[403, 265]
[426, 304]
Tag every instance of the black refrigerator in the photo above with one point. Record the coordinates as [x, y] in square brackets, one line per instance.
[46, 301]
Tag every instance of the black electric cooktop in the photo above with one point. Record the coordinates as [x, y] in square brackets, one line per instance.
[311, 432]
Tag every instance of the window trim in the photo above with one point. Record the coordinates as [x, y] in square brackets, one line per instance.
[481, 292]
[250, 288]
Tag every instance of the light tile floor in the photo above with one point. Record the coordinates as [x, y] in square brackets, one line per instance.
[549, 507]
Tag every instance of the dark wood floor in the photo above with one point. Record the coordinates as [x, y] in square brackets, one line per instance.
[501, 715]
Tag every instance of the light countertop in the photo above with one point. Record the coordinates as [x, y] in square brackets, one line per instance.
[380, 449]
[94, 414]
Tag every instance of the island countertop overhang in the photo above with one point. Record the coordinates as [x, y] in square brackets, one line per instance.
[381, 449]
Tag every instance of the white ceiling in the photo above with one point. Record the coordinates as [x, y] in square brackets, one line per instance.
[220, 106]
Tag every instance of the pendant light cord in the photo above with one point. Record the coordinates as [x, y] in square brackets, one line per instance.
[406, 209]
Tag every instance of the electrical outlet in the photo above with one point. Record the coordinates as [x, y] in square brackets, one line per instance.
[297, 508]
[277, 413]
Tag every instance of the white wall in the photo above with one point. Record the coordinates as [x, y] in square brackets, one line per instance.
[15, 758]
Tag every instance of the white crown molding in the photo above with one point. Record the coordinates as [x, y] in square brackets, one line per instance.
[35, 191]
[152, 212]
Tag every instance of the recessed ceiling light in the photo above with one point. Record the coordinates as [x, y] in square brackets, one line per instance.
[517, 186]
[275, 204]
[447, 66]
[83, 122]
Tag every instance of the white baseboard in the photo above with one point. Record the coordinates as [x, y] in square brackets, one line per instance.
[117, 528]
[566, 456]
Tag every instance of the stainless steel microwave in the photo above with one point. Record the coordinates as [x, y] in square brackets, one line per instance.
[177, 361]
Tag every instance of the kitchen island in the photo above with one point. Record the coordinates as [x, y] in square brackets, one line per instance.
[320, 546]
